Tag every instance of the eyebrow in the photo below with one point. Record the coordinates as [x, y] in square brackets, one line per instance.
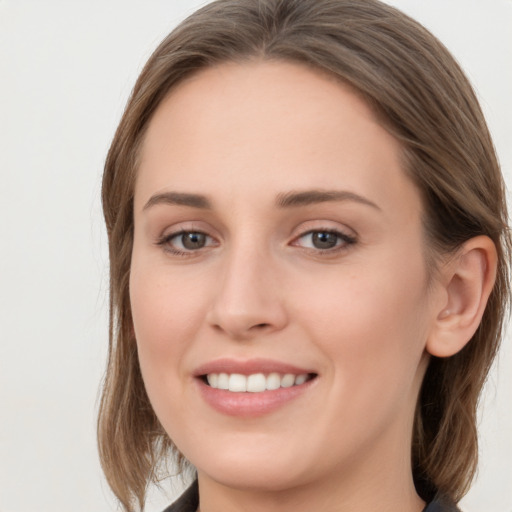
[307, 197]
[285, 200]
[180, 199]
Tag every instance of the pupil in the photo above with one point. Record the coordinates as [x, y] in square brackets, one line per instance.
[324, 240]
[193, 240]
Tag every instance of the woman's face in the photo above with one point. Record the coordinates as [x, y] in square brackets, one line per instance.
[278, 245]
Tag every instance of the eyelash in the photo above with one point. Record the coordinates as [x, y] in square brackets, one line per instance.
[342, 244]
[165, 242]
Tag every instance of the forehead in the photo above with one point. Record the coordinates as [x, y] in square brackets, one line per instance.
[282, 95]
[264, 126]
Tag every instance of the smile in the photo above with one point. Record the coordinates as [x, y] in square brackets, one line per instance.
[254, 387]
[256, 382]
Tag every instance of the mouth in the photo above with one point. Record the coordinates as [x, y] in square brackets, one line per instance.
[255, 382]
[253, 387]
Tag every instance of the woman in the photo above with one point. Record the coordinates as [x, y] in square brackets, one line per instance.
[309, 263]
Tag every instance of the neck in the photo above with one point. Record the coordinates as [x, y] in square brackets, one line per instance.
[381, 483]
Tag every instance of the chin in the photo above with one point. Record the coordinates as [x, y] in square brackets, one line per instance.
[254, 478]
[264, 473]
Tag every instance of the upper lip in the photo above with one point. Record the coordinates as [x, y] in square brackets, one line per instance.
[248, 367]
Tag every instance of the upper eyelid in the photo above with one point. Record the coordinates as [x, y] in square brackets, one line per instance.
[164, 242]
[304, 228]
[173, 234]
[344, 243]
[324, 225]
[188, 227]
[347, 238]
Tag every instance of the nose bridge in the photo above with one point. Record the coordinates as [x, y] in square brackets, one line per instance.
[247, 300]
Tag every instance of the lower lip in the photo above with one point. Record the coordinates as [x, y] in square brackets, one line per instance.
[250, 404]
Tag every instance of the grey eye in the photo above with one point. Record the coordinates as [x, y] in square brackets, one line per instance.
[324, 239]
[192, 240]
[183, 243]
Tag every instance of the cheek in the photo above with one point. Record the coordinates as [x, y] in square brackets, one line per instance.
[165, 318]
[164, 303]
[372, 324]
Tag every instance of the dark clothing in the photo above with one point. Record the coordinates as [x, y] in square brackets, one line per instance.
[189, 501]
[440, 505]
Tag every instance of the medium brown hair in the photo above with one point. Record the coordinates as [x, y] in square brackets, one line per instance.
[423, 98]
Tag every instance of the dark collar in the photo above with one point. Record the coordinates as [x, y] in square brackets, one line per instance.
[441, 505]
[189, 501]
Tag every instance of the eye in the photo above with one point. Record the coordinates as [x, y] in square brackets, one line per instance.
[186, 242]
[324, 240]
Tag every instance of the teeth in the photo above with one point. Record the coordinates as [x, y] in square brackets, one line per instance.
[254, 383]
[223, 382]
[213, 380]
[237, 383]
[273, 381]
[300, 379]
[288, 381]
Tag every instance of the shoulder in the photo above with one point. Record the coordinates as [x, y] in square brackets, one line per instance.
[187, 502]
[441, 505]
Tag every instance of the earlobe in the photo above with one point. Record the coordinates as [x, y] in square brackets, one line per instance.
[469, 278]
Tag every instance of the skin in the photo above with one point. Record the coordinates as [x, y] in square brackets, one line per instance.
[360, 315]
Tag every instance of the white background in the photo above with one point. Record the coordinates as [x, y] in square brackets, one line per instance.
[66, 69]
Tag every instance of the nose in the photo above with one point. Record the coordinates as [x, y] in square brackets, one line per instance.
[249, 299]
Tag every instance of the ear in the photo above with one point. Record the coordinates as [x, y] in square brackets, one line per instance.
[467, 279]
